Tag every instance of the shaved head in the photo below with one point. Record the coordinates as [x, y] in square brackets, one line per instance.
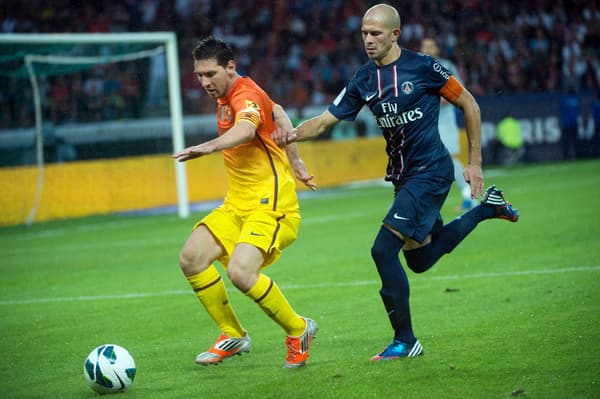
[383, 14]
[380, 33]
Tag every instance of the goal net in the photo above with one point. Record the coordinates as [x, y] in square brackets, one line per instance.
[39, 57]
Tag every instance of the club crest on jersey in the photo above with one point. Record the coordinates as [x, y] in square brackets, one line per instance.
[251, 104]
[225, 114]
[407, 87]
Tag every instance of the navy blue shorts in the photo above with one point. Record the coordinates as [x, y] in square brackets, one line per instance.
[417, 205]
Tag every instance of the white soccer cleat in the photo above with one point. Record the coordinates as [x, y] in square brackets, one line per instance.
[298, 346]
[224, 347]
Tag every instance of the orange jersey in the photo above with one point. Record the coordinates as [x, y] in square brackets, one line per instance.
[258, 171]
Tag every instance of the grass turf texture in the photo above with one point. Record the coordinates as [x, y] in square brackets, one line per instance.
[513, 311]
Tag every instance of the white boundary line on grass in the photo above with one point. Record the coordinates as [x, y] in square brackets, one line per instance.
[303, 286]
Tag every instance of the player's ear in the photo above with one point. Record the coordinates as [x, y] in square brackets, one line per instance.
[230, 66]
[397, 33]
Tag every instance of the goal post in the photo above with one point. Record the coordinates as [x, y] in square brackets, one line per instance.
[167, 39]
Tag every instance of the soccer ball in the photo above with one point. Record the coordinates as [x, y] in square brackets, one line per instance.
[109, 368]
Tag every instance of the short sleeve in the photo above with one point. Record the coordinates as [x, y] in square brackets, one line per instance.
[348, 103]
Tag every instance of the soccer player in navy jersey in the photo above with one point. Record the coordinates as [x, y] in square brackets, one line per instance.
[402, 89]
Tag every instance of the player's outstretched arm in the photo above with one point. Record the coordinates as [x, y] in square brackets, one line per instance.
[283, 122]
[240, 133]
[307, 130]
[316, 126]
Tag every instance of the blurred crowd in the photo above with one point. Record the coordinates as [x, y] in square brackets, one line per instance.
[302, 52]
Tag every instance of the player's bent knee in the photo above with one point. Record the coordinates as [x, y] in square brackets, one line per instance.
[241, 279]
[380, 253]
[187, 264]
[418, 268]
[418, 260]
[185, 261]
[386, 246]
[192, 263]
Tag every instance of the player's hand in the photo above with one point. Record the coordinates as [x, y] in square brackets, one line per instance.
[302, 174]
[306, 179]
[474, 176]
[193, 152]
[282, 137]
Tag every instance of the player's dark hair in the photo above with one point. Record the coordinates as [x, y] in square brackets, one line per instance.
[211, 47]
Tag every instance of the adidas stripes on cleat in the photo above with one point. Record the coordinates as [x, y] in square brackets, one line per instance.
[224, 347]
[504, 210]
[298, 346]
[398, 349]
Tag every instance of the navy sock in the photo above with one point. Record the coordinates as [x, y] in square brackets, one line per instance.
[395, 290]
[445, 240]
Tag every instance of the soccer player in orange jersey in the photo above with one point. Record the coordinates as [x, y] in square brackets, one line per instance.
[260, 215]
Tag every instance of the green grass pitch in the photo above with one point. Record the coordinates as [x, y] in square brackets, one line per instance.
[513, 311]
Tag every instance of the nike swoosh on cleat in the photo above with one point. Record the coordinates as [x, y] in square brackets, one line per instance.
[256, 234]
[396, 216]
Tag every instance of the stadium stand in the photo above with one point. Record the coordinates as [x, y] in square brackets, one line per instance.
[302, 52]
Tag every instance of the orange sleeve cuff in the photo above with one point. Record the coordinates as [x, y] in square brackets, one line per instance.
[452, 89]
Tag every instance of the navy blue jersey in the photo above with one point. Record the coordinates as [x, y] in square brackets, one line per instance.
[403, 97]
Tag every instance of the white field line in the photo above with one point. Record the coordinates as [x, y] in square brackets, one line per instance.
[416, 281]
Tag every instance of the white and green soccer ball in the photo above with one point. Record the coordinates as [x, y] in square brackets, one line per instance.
[109, 369]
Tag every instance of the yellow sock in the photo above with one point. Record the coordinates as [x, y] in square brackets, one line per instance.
[210, 289]
[268, 296]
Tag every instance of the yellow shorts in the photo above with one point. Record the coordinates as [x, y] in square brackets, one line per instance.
[270, 231]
